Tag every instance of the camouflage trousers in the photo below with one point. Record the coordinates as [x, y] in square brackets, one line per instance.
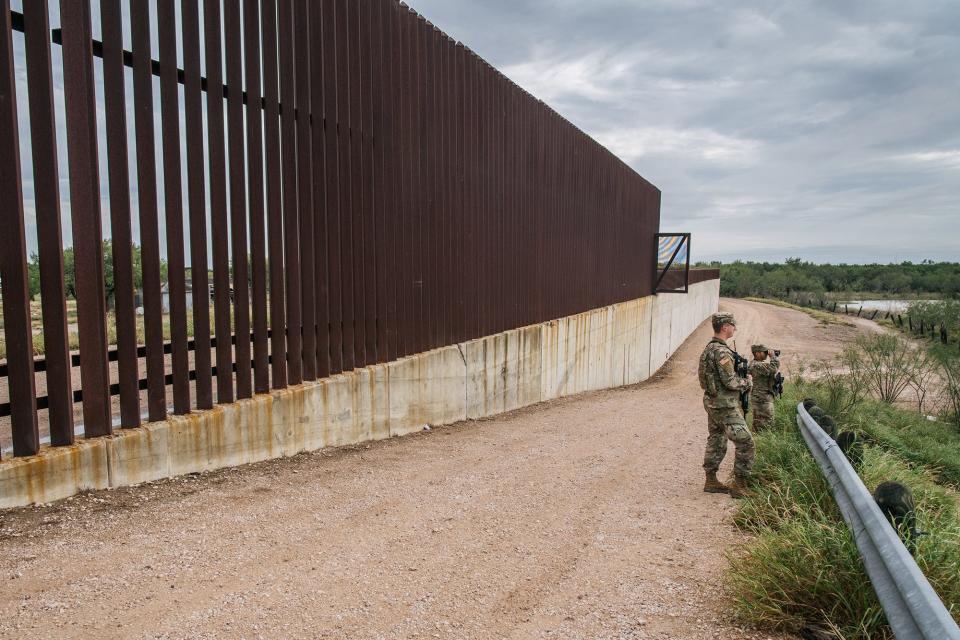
[722, 425]
[762, 414]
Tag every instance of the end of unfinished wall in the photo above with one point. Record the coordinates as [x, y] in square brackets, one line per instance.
[676, 316]
[603, 348]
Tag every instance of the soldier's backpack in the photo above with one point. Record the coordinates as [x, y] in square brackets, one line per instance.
[707, 383]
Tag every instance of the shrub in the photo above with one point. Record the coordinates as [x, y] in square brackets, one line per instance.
[885, 361]
[937, 312]
[948, 368]
[840, 387]
[911, 437]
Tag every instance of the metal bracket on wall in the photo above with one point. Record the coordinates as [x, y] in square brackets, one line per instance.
[672, 261]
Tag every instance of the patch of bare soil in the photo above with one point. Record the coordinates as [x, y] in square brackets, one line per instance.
[578, 518]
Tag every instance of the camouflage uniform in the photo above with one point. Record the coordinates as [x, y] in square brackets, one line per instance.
[721, 399]
[761, 396]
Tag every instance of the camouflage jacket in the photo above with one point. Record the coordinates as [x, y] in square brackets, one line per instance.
[718, 379]
[763, 372]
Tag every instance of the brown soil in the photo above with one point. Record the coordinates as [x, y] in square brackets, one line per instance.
[578, 518]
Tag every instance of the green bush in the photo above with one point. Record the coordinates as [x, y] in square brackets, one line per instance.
[741, 279]
[948, 370]
[913, 438]
[937, 312]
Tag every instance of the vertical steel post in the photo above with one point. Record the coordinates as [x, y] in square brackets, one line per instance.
[288, 129]
[115, 108]
[196, 201]
[46, 181]
[13, 259]
[173, 204]
[83, 165]
[356, 182]
[318, 178]
[238, 197]
[305, 208]
[219, 227]
[258, 264]
[147, 204]
[345, 207]
[332, 132]
[370, 257]
[278, 329]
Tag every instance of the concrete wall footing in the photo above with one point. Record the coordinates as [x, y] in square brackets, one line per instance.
[612, 346]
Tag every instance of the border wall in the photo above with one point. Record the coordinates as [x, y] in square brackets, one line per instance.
[611, 346]
[397, 194]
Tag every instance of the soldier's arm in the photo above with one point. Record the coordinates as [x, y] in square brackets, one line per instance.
[767, 367]
[774, 361]
[729, 377]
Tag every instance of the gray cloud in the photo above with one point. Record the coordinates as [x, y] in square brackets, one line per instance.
[824, 130]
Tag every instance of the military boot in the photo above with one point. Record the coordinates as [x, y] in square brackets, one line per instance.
[712, 485]
[738, 488]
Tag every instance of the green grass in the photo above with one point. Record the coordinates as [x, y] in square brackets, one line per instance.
[802, 567]
[823, 317]
[933, 445]
[914, 439]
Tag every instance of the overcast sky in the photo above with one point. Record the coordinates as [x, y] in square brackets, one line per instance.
[825, 130]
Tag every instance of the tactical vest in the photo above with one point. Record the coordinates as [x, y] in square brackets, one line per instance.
[711, 378]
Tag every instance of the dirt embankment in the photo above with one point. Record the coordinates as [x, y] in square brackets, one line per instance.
[578, 518]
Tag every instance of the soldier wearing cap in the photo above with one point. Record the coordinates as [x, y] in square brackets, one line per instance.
[721, 399]
[761, 396]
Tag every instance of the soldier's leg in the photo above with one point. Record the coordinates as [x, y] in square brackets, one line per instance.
[737, 431]
[762, 416]
[716, 443]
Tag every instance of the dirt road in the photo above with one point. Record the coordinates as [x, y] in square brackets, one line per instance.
[578, 518]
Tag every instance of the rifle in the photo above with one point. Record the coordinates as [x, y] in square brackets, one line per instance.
[778, 379]
[778, 384]
[742, 368]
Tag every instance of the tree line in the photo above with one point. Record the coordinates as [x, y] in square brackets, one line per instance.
[70, 277]
[779, 280]
[737, 279]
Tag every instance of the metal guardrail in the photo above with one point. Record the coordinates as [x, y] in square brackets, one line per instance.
[912, 607]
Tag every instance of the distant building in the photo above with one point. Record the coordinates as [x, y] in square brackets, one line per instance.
[165, 297]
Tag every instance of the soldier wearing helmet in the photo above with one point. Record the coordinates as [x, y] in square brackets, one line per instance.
[721, 400]
[764, 374]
